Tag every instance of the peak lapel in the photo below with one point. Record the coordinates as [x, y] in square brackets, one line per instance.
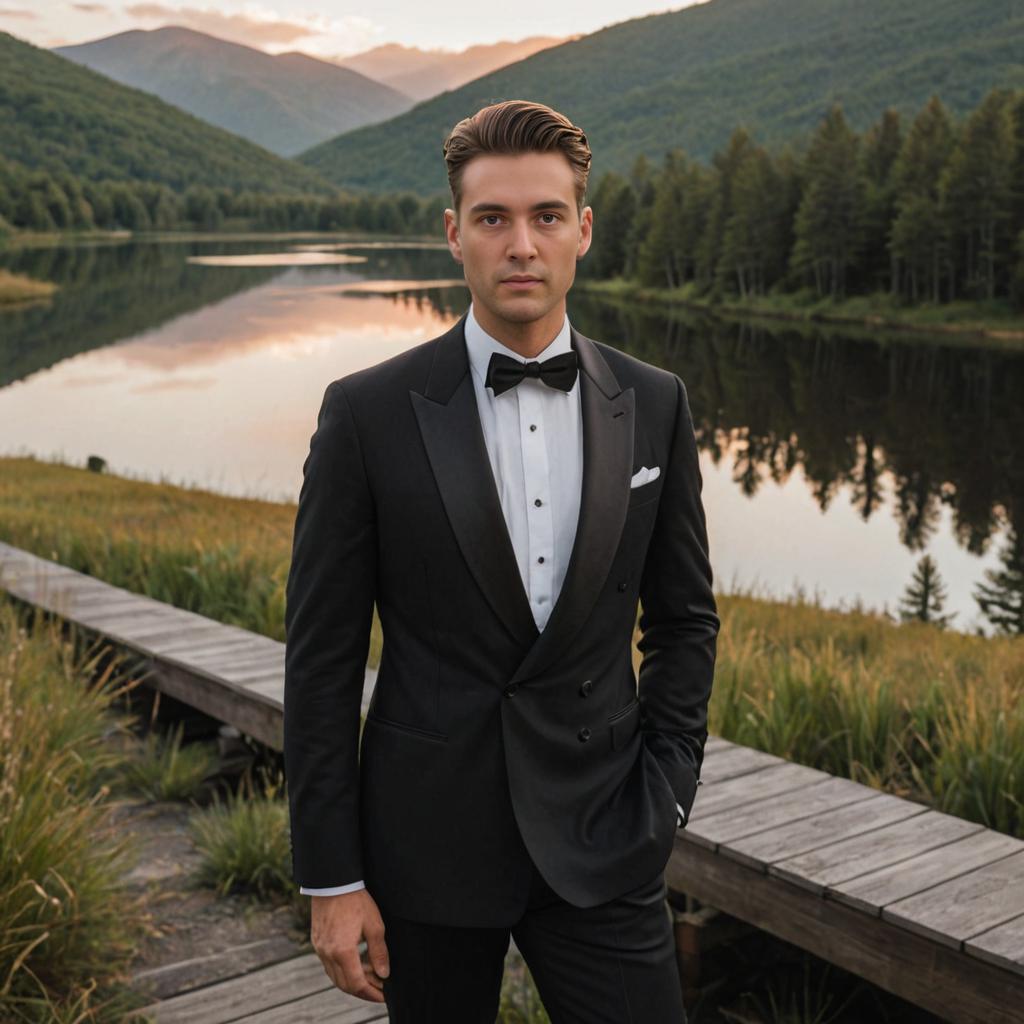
[608, 426]
[449, 422]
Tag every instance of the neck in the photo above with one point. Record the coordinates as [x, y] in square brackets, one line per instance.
[527, 339]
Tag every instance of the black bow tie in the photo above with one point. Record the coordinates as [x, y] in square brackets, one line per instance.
[504, 372]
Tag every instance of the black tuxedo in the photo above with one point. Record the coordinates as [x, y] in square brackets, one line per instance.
[488, 744]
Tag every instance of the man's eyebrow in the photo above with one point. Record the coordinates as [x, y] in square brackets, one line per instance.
[548, 204]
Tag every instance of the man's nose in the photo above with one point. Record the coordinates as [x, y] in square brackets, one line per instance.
[520, 243]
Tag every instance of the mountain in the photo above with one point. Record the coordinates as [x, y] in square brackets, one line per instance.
[285, 103]
[424, 73]
[60, 117]
[689, 77]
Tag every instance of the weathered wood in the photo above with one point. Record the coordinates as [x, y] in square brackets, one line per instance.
[843, 859]
[1002, 945]
[965, 906]
[950, 983]
[322, 1008]
[925, 870]
[764, 784]
[805, 834]
[725, 762]
[725, 827]
[277, 985]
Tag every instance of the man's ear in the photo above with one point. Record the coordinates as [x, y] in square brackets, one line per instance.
[586, 232]
[451, 233]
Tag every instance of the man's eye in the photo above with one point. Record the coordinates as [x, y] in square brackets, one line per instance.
[491, 216]
[554, 215]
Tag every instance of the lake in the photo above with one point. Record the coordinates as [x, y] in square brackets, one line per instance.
[832, 460]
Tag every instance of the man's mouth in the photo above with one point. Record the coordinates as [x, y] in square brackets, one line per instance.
[521, 281]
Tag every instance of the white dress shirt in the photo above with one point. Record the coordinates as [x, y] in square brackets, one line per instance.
[534, 438]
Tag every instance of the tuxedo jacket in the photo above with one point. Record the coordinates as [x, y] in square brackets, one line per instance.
[488, 744]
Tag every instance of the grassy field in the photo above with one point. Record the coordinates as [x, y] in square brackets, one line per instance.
[996, 320]
[935, 716]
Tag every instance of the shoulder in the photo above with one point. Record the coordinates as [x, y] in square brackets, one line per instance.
[652, 383]
[390, 378]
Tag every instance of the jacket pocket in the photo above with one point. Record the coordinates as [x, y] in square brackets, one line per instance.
[624, 724]
[410, 730]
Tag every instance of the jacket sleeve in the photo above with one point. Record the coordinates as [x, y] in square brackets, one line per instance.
[678, 620]
[328, 612]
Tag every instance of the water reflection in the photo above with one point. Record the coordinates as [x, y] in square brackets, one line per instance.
[830, 459]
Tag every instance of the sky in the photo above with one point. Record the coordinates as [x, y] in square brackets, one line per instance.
[324, 28]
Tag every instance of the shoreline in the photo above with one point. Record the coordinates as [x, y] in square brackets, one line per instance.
[846, 314]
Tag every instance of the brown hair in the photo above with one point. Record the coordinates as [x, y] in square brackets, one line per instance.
[516, 126]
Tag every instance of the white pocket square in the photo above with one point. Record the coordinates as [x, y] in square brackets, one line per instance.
[644, 476]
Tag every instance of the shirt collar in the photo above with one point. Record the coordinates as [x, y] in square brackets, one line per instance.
[480, 345]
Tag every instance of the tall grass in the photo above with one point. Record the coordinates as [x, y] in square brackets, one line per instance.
[932, 715]
[67, 925]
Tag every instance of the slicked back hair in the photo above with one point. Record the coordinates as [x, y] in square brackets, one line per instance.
[511, 127]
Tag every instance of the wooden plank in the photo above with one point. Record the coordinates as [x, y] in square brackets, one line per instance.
[759, 785]
[715, 743]
[249, 711]
[726, 827]
[230, 1000]
[1002, 945]
[724, 764]
[256, 655]
[947, 982]
[809, 833]
[916, 874]
[837, 862]
[964, 906]
[187, 637]
[323, 1008]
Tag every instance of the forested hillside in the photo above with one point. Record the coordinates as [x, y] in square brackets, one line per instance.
[285, 102]
[687, 78]
[61, 118]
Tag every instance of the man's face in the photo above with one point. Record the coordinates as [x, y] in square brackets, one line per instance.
[518, 219]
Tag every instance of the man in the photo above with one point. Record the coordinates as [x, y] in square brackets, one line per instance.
[505, 492]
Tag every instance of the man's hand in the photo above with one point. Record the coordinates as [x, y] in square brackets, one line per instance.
[339, 923]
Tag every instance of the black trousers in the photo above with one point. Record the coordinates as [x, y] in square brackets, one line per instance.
[610, 964]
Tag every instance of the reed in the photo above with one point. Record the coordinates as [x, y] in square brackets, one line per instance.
[933, 715]
[68, 927]
[16, 289]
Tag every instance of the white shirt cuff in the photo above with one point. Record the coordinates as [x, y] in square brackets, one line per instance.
[333, 890]
[680, 817]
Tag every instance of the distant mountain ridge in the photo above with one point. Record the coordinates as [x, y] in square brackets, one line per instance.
[687, 78]
[285, 103]
[62, 118]
[424, 73]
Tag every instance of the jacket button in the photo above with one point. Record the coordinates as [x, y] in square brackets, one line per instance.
[510, 691]
[583, 734]
[586, 688]
[623, 585]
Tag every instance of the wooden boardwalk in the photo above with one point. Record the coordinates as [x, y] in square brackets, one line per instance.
[924, 904]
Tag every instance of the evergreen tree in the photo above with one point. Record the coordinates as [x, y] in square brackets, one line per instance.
[879, 154]
[828, 222]
[917, 241]
[1001, 599]
[614, 205]
[753, 247]
[925, 596]
[977, 195]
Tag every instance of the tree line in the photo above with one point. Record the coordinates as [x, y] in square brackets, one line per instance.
[930, 212]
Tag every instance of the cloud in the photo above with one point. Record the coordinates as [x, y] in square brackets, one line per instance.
[257, 26]
[91, 8]
[14, 12]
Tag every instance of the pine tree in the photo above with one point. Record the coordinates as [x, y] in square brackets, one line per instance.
[829, 220]
[1002, 599]
[925, 596]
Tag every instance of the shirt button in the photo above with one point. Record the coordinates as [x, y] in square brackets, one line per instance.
[538, 502]
[623, 585]
[541, 559]
[533, 426]
[583, 735]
